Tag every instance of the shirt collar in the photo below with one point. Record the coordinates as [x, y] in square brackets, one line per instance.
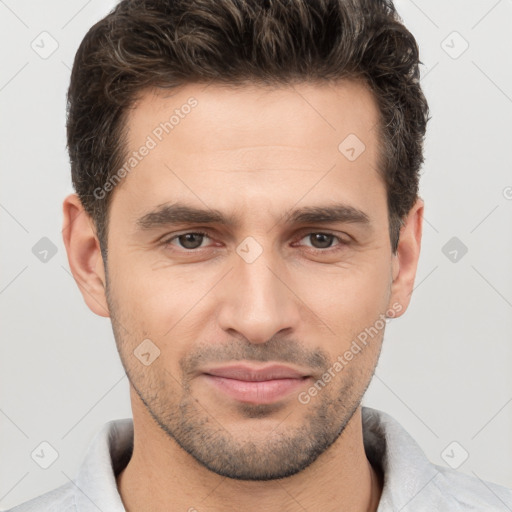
[107, 455]
[406, 469]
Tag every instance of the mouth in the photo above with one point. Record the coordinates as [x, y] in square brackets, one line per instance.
[256, 385]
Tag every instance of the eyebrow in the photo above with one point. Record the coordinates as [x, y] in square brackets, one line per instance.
[169, 214]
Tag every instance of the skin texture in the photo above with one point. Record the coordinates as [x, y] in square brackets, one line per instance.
[256, 153]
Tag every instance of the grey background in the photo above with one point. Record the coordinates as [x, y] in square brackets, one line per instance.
[444, 373]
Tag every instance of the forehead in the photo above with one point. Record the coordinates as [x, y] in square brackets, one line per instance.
[262, 142]
[220, 117]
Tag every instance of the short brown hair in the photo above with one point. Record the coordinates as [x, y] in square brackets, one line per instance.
[169, 43]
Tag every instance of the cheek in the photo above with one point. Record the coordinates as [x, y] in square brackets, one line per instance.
[357, 292]
[166, 305]
[159, 301]
[345, 303]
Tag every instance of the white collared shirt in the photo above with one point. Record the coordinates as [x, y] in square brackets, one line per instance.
[411, 482]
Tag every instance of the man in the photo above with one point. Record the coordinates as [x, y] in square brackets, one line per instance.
[247, 214]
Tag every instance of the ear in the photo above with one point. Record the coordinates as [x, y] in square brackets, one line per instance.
[84, 255]
[405, 261]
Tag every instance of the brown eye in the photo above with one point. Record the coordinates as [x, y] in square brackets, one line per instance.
[324, 242]
[189, 241]
[321, 240]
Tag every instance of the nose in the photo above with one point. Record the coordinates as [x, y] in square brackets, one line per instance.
[257, 302]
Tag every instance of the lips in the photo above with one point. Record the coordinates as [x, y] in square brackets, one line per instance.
[254, 374]
[258, 385]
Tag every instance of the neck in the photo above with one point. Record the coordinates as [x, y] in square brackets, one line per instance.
[161, 476]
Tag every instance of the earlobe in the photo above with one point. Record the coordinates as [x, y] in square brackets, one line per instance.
[405, 262]
[84, 255]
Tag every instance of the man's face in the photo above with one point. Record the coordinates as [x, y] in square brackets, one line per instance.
[267, 288]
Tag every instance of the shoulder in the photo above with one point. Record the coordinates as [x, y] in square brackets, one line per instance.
[412, 483]
[95, 482]
[464, 492]
[60, 499]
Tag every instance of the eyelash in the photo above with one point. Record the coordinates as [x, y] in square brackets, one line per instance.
[342, 243]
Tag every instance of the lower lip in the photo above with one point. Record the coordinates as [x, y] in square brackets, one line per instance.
[256, 392]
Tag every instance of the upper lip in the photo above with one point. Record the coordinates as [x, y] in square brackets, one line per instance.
[255, 374]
